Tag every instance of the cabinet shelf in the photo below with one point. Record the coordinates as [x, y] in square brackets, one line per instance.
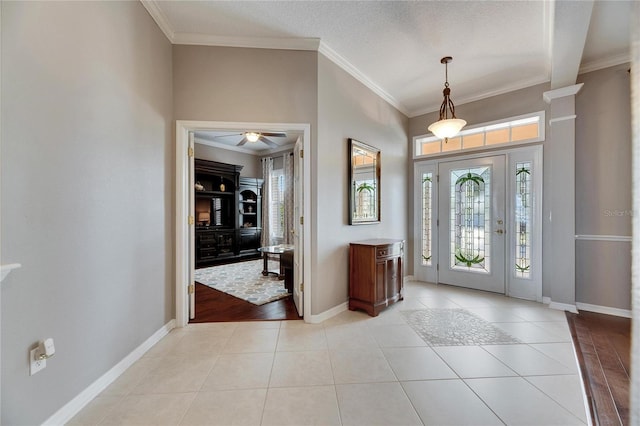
[213, 193]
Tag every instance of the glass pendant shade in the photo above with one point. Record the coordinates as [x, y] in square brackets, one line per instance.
[252, 136]
[447, 128]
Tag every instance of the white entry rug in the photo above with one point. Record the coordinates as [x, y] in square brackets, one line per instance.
[243, 280]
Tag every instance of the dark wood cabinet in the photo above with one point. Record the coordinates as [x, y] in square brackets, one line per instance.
[375, 274]
[227, 213]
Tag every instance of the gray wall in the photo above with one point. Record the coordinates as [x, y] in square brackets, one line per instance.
[87, 194]
[251, 163]
[603, 187]
[348, 109]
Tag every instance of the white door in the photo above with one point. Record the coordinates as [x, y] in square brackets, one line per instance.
[192, 238]
[471, 231]
[298, 240]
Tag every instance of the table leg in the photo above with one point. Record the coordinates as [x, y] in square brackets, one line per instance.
[265, 267]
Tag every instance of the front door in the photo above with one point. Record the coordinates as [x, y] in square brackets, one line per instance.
[471, 231]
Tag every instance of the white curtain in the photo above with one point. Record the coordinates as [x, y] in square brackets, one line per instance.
[267, 167]
[289, 225]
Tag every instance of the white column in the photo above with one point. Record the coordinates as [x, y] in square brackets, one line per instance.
[559, 263]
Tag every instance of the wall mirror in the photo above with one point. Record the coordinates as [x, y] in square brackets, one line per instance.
[364, 183]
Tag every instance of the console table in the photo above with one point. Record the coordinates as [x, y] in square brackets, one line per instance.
[375, 274]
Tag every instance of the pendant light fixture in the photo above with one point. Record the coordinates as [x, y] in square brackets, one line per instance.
[447, 127]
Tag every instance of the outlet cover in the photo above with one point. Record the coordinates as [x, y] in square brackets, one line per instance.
[35, 365]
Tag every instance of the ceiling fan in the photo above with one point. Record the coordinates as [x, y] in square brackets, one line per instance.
[253, 137]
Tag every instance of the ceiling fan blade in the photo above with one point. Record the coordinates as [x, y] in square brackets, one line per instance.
[226, 136]
[269, 142]
[242, 142]
[274, 134]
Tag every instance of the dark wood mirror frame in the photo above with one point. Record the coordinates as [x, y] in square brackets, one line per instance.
[364, 183]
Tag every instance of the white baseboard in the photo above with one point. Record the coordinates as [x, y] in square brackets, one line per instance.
[625, 313]
[73, 407]
[316, 319]
[546, 300]
[563, 306]
[409, 278]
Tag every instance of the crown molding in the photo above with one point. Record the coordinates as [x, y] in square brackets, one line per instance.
[599, 64]
[484, 95]
[247, 42]
[347, 66]
[161, 19]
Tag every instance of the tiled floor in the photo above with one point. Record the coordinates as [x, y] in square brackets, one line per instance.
[354, 370]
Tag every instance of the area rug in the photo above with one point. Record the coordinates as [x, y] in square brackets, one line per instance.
[243, 280]
[455, 327]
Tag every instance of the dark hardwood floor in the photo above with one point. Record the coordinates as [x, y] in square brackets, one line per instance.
[215, 306]
[603, 347]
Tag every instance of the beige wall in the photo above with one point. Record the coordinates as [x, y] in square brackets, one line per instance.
[250, 163]
[347, 109]
[87, 194]
[603, 187]
[248, 85]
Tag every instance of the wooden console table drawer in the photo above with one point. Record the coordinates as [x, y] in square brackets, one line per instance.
[375, 274]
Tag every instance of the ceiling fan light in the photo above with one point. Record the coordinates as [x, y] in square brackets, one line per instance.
[252, 136]
[447, 128]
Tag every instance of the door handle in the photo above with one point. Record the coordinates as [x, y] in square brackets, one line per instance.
[499, 231]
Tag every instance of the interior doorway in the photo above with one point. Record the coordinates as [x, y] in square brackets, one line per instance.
[478, 221]
[185, 219]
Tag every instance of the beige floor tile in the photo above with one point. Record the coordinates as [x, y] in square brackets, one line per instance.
[408, 305]
[417, 364]
[375, 404]
[561, 352]
[565, 390]
[167, 344]
[292, 369]
[362, 366]
[314, 405]
[394, 336]
[528, 332]
[302, 339]
[94, 412]
[350, 338]
[240, 371]
[200, 343]
[252, 340]
[473, 361]
[387, 317]
[495, 314]
[225, 408]
[176, 374]
[448, 402]
[218, 328]
[145, 410]
[128, 380]
[345, 318]
[538, 313]
[439, 302]
[258, 325]
[518, 402]
[526, 361]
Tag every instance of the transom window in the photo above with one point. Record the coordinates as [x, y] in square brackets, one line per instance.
[515, 130]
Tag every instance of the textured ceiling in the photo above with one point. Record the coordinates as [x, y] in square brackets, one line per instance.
[395, 46]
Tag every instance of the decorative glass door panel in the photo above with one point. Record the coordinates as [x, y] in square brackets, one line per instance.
[472, 231]
[470, 219]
